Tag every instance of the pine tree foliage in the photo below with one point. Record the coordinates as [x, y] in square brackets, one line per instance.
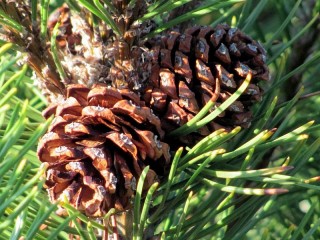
[255, 183]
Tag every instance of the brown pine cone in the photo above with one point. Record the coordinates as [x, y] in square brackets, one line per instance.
[189, 69]
[97, 146]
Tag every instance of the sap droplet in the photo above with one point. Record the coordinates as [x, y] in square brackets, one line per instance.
[252, 47]
[156, 100]
[176, 118]
[201, 46]
[222, 49]
[203, 70]
[102, 191]
[162, 55]
[124, 138]
[80, 148]
[98, 108]
[47, 135]
[252, 91]
[133, 184]
[134, 105]
[136, 85]
[74, 166]
[226, 80]
[232, 31]
[157, 141]
[164, 82]
[264, 58]
[113, 180]
[182, 37]
[244, 68]
[233, 48]
[184, 101]
[74, 125]
[61, 149]
[178, 61]
[217, 33]
[98, 152]
[234, 108]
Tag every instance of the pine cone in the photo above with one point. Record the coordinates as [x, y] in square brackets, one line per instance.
[191, 68]
[97, 146]
[102, 137]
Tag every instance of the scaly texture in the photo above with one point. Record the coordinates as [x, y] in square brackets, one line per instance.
[104, 135]
[201, 64]
[97, 146]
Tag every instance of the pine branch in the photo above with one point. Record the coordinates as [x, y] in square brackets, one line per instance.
[260, 181]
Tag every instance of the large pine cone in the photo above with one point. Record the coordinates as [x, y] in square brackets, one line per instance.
[97, 146]
[191, 68]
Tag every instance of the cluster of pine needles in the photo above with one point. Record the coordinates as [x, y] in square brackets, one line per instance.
[255, 183]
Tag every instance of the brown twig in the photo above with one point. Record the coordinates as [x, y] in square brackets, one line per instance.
[114, 235]
[309, 95]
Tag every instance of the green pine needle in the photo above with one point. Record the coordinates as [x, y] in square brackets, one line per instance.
[255, 183]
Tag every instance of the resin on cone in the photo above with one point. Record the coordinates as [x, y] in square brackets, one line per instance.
[121, 96]
[202, 64]
[97, 146]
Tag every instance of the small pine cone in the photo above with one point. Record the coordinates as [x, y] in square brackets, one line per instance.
[191, 68]
[97, 146]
